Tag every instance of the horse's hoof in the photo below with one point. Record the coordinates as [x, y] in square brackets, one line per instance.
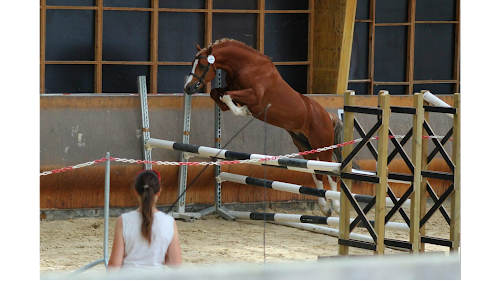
[327, 214]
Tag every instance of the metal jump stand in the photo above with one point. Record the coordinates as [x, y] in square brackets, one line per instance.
[181, 204]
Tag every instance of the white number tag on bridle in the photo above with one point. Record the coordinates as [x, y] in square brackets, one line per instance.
[211, 59]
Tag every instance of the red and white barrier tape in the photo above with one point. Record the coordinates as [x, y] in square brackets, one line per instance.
[223, 162]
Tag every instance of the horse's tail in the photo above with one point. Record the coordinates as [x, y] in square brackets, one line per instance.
[338, 127]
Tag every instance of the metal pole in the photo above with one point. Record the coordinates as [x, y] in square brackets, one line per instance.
[181, 204]
[218, 136]
[106, 207]
[106, 224]
[143, 93]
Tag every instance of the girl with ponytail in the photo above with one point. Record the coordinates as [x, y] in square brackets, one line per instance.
[146, 238]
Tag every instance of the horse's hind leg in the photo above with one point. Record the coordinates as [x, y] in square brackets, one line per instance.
[335, 203]
[323, 203]
[303, 145]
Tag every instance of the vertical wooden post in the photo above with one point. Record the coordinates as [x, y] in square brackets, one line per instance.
[208, 32]
[345, 205]
[418, 120]
[98, 47]
[43, 33]
[410, 53]
[455, 196]
[153, 72]
[424, 166]
[261, 20]
[346, 46]
[456, 75]
[310, 46]
[333, 30]
[382, 170]
[371, 48]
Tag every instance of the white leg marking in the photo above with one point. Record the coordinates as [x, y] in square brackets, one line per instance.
[336, 203]
[234, 108]
[323, 206]
[190, 78]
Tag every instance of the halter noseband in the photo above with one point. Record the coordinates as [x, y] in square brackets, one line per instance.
[202, 78]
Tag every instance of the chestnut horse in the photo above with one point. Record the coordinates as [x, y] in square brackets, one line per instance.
[253, 82]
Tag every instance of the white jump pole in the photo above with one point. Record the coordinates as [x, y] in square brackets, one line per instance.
[332, 221]
[209, 152]
[295, 188]
[324, 230]
[306, 166]
[432, 99]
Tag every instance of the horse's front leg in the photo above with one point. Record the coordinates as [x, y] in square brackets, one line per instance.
[245, 96]
[216, 94]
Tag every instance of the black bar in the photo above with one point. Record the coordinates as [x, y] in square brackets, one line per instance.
[298, 163]
[358, 244]
[359, 177]
[234, 155]
[260, 216]
[259, 182]
[404, 110]
[313, 219]
[398, 244]
[440, 109]
[186, 147]
[361, 144]
[312, 191]
[400, 176]
[363, 198]
[363, 109]
[438, 175]
[436, 241]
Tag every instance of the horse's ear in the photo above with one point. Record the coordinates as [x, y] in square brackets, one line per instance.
[198, 47]
[209, 51]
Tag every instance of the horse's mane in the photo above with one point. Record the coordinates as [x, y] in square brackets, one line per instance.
[225, 41]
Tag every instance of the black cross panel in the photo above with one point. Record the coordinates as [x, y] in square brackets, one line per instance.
[360, 212]
[363, 134]
[399, 148]
[437, 204]
[398, 204]
[360, 145]
[435, 198]
[367, 209]
[405, 139]
[439, 146]
[443, 142]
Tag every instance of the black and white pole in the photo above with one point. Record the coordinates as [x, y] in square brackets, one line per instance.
[299, 189]
[210, 152]
[332, 221]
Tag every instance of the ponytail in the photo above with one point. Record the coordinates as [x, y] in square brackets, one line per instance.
[147, 184]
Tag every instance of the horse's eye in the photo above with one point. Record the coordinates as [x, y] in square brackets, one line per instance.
[202, 66]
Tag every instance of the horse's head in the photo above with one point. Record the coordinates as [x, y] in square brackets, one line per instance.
[203, 71]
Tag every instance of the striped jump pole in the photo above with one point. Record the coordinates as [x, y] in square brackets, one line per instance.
[298, 189]
[299, 165]
[332, 221]
[210, 152]
[324, 230]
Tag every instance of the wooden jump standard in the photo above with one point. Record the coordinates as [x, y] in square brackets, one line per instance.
[417, 165]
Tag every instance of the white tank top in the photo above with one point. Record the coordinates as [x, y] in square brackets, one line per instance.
[140, 254]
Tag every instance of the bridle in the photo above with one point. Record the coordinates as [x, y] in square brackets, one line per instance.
[201, 80]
